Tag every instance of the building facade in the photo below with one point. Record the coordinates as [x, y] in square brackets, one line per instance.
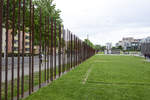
[26, 42]
[129, 43]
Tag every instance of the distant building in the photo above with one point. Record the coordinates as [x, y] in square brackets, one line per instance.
[26, 42]
[119, 44]
[108, 48]
[146, 40]
[129, 43]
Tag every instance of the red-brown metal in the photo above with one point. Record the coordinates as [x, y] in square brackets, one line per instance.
[55, 50]
[51, 59]
[78, 51]
[45, 46]
[23, 45]
[6, 56]
[48, 35]
[40, 54]
[59, 52]
[18, 69]
[67, 44]
[13, 34]
[1, 32]
[68, 50]
[63, 47]
[32, 48]
[71, 49]
[74, 51]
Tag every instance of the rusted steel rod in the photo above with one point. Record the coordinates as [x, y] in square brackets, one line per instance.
[48, 35]
[63, 46]
[51, 59]
[67, 51]
[74, 51]
[6, 56]
[23, 45]
[71, 49]
[45, 47]
[40, 54]
[18, 69]
[55, 34]
[30, 46]
[59, 52]
[1, 32]
[13, 34]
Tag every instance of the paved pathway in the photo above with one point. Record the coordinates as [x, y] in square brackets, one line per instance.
[26, 66]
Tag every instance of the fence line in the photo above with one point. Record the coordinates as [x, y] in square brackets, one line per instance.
[32, 55]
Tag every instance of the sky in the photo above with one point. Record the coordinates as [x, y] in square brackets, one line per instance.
[106, 20]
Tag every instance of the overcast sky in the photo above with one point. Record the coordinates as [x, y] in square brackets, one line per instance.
[106, 20]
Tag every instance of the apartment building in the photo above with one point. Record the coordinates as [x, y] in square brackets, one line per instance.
[26, 42]
[129, 43]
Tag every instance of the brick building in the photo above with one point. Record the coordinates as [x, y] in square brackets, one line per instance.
[26, 41]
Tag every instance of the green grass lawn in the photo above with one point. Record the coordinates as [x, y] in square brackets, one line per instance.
[101, 78]
[26, 83]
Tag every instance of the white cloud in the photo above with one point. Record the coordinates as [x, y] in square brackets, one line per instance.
[106, 20]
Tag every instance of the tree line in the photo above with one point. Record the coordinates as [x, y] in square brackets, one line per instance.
[48, 11]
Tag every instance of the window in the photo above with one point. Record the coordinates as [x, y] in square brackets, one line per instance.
[27, 37]
[15, 41]
[27, 49]
[15, 48]
[27, 43]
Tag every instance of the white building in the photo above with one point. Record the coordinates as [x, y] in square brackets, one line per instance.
[129, 43]
[146, 40]
[108, 48]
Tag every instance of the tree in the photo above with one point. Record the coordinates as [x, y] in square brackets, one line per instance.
[88, 42]
[103, 48]
[120, 47]
[97, 48]
[48, 11]
[114, 48]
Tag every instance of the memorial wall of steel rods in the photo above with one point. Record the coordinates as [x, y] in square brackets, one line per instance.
[33, 56]
[145, 49]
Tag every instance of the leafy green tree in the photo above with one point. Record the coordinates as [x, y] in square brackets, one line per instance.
[120, 47]
[88, 42]
[48, 10]
[97, 48]
[114, 48]
[103, 48]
